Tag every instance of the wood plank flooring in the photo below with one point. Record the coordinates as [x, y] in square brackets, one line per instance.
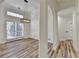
[26, 48]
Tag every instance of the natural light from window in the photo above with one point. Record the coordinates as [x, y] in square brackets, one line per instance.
[14, 30]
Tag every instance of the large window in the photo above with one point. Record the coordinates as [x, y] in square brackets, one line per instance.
[14, 30]
[20, 29]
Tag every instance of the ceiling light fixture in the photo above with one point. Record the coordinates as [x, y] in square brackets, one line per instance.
[25, 20]
[14, 14]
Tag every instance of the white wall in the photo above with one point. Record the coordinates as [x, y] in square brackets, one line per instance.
[35, 24]
[26, 30]
[65, 27]
[50, 25]
[4, 18]
[78, 31]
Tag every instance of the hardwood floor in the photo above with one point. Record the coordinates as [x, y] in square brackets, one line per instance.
[26, 48]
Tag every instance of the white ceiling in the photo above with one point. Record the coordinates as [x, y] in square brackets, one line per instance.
[63, 4]
[1, 1]
[34, 4]
[30, 6]
[17, 3]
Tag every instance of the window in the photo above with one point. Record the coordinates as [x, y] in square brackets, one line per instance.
[20, 29]
[14, 30]
[11, 30]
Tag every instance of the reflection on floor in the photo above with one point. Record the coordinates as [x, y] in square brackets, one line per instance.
[65, 49]
[26, 48]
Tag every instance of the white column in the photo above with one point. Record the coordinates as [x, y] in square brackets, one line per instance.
[75, 30]
[3, 35]
[55, 29]
[43, 43]
[75, 25]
